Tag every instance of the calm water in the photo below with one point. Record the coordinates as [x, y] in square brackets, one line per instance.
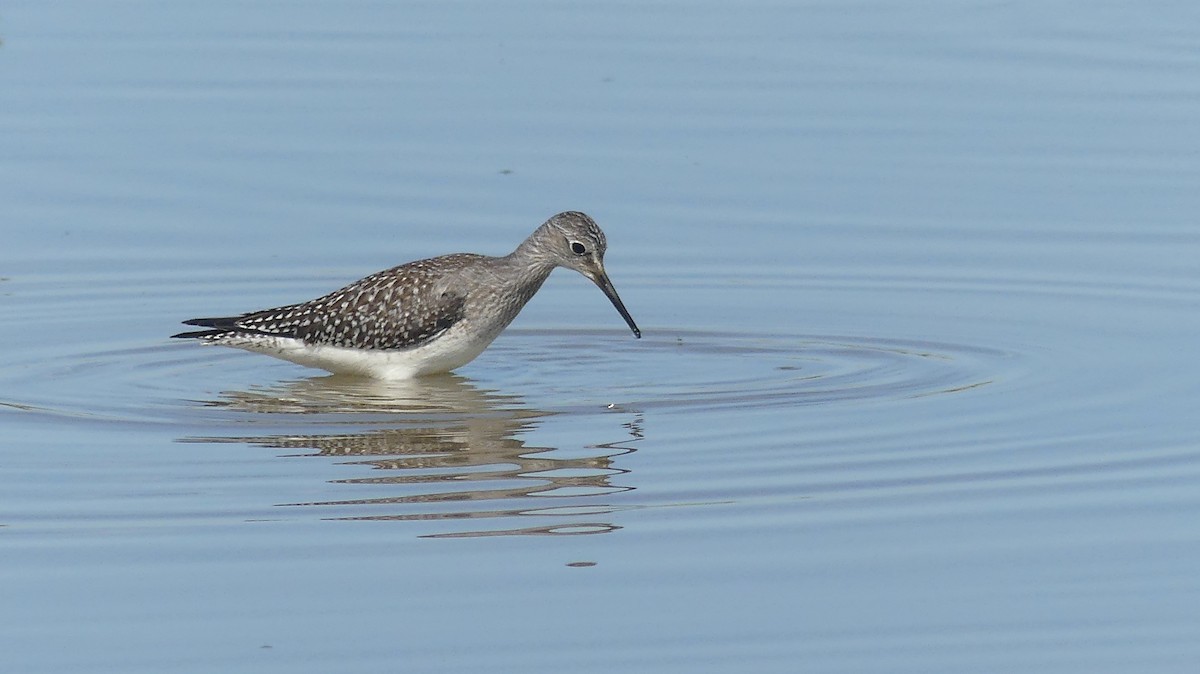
[920, 289]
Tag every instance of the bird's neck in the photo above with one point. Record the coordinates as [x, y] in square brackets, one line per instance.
[533, 256]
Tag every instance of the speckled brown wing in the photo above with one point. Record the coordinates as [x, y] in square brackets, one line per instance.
[398, 308]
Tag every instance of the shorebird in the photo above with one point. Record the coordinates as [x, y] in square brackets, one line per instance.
[422, 317]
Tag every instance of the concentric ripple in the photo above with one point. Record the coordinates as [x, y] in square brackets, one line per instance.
[554, 371]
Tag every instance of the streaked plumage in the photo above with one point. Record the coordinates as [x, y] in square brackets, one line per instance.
[423, 317]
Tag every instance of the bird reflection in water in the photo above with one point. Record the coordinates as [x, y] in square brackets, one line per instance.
[442, 447]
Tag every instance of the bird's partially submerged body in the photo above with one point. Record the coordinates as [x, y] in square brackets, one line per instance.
[422, 317]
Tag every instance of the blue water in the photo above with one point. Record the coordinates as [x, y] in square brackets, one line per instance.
[919, 287]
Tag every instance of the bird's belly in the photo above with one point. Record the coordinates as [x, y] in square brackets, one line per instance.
[451, 350]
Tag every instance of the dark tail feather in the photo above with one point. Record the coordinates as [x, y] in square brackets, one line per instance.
[198, 334]
[221, 322]
[216, 326]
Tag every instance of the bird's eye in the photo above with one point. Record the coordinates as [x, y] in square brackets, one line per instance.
[578, 248]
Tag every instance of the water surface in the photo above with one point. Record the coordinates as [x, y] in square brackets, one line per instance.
[918, 285]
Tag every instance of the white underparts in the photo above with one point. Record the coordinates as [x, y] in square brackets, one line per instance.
[452, 349]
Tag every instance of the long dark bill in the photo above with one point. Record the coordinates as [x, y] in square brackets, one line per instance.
[607, 286]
